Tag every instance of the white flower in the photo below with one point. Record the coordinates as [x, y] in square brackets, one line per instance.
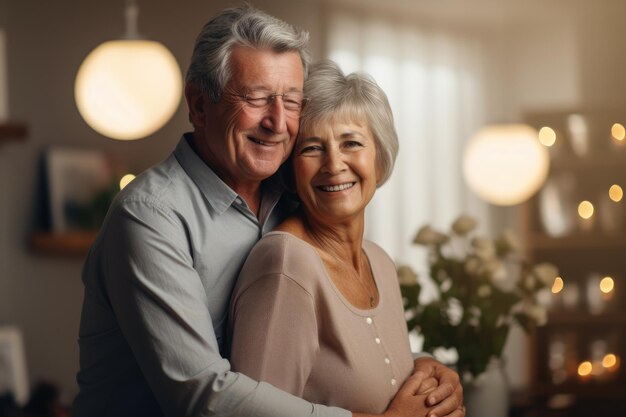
[484, 291]
[406, 276]
[484, 248]
[473, 266]
[454, 311]
[529, 282]
[545, 272]
[538, 313]
[463, 225]
[429, 236]
[496, 270]
[474, 316]
[509, 238]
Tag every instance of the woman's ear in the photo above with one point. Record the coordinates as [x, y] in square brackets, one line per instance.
[196, 100]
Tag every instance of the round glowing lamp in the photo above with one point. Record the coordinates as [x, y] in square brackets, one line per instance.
[128, 89]
[505, 164]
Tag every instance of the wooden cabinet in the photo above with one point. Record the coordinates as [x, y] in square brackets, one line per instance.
[73, 244]
[582, 349]
[11, 131]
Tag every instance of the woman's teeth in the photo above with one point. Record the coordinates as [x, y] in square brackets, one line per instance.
[340, 187]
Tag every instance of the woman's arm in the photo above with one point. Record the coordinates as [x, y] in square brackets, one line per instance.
[274, 332]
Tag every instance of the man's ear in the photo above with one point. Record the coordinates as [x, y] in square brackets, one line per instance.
[196, 100]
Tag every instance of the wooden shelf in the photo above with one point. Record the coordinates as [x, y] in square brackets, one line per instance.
[616, 158]
[590, 389]
[577, 318]
[575, 329]
[12, 131]
[72, 244]
[540, 241]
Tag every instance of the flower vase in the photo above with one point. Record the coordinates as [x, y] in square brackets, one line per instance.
[488, 394]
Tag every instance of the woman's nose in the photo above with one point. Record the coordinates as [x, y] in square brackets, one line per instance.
[333, 161]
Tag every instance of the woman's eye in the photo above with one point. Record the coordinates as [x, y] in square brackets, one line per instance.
[352, 144]
[311, 149]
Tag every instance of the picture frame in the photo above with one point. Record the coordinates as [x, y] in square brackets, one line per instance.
[79, 188]
[13, 375]
[4, 84]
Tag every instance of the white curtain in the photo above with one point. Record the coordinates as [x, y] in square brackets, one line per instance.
[434, 82]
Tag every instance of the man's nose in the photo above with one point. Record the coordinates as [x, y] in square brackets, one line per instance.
[275, 118]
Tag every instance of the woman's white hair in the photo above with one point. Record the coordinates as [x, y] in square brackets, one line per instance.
[356, 97]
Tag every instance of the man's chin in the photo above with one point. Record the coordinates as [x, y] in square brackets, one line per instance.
[262, 170]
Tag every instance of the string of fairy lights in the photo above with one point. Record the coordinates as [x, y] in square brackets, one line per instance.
[602, 363]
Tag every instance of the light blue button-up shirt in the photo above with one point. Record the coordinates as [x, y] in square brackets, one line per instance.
[157, 282]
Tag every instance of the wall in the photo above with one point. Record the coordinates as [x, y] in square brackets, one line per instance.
[544, 55]
[601, 36]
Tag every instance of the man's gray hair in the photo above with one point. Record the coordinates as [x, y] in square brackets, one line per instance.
[245, 26]
[357, 98]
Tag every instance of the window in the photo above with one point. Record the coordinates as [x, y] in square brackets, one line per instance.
[435, 84]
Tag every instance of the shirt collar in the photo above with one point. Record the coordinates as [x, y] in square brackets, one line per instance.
[219, 195]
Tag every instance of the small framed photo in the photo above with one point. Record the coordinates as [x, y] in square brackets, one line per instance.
[13, 377]
[4, 95]
[79, 188]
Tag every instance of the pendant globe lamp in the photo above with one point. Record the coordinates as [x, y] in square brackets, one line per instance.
[129, 88]
[505, 164]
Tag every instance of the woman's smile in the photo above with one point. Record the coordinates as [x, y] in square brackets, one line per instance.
[335, 169]
[335, 188]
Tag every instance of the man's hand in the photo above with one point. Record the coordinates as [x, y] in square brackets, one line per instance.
[446, 399]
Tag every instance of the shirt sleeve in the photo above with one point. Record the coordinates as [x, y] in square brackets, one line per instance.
[274, 331]
[162, 309]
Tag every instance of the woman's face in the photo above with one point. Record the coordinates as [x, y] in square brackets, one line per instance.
[335, 170]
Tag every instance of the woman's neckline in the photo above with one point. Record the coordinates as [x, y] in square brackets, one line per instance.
[369, 312]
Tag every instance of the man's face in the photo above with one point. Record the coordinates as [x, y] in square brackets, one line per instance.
[246, 144]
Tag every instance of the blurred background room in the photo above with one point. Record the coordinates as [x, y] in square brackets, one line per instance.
[510, 112]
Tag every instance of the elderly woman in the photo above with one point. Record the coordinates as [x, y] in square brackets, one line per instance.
[317, 310]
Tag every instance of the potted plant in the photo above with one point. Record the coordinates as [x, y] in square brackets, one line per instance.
[483, 287]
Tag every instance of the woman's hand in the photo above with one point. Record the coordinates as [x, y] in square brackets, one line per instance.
[446, 400]
[410, 401]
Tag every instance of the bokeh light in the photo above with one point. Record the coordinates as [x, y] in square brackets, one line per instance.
[126, 179]
[547, 136]
[558, 285]
[585, 368]
[607, 284]
[585, 209]
[616, 193]
[609, 360]
[618, 131]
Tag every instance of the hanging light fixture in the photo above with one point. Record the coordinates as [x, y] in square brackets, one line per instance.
[129, 88]
[505, 164]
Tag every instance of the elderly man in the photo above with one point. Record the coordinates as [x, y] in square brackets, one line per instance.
[159, 276]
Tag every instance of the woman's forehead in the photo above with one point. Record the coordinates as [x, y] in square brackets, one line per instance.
[340, 117]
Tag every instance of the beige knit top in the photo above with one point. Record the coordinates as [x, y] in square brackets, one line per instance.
[291, 326]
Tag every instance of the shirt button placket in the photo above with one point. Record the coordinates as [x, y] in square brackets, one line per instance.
[377, 340]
